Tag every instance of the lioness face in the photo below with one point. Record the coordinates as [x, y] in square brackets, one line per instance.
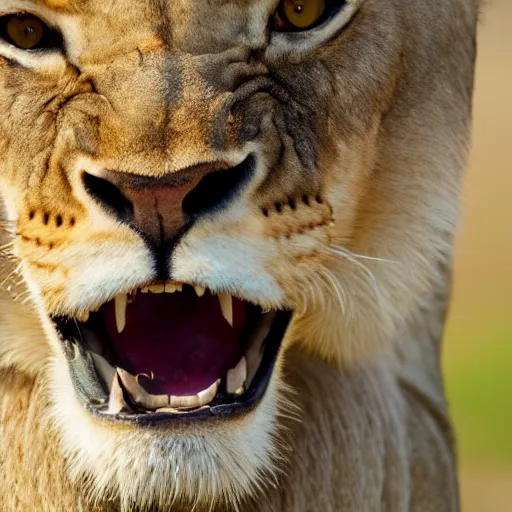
[194, 186]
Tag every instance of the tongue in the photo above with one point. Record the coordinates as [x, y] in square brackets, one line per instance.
[182, 341]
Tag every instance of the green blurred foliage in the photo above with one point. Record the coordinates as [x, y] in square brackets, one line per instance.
[478, 364]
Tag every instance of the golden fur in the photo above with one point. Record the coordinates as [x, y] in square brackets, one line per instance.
[361, 132]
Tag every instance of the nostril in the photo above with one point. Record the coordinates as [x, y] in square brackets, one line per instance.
[218, 188]
[108, 196]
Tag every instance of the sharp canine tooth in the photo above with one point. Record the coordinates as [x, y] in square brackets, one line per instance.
[200, 291]
[106, 371]
[207, 395]
[236, 377]
[202, 398]
[139, 395]
[121, 302]
[157, 288]
[76, 351]
[254, 352]
[170, 288]
[226, 306]
[116, 401]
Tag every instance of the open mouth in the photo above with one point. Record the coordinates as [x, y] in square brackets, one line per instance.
[172, 350]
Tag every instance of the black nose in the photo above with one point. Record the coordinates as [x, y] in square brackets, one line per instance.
[161, 209]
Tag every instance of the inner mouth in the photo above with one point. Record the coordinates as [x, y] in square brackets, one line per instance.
[171, 349]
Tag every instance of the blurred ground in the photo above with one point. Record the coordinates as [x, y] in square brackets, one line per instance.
[478, 343]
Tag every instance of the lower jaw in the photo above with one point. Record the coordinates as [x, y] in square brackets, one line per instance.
[97, 396]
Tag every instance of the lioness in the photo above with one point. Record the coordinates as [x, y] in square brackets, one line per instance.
[226, 247]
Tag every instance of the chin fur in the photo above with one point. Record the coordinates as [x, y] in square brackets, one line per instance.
[214, 464]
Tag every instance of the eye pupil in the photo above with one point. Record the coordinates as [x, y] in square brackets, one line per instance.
[297, 15]
[26, 32]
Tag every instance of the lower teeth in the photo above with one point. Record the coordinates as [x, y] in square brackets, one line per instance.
[129, 396]
[124, 384]
[139, 396]
[202, 398]
[236, 377]
[116, 403]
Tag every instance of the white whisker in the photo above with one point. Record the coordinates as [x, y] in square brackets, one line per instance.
[360, 265]
[6, 248]
[8, 227]
[352, 258]
[11, 276]
[361, 256]
[79, 331]
[336, 287]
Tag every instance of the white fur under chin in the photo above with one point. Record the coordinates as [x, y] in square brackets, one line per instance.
[216, 464]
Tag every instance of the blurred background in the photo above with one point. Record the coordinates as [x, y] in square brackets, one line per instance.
[478, 342]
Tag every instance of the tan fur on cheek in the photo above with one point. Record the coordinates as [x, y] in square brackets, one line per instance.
[320, 174]
[24, 345]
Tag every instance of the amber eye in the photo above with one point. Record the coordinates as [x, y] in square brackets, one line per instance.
[27, 32]
[299, 15]
[302, 14]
